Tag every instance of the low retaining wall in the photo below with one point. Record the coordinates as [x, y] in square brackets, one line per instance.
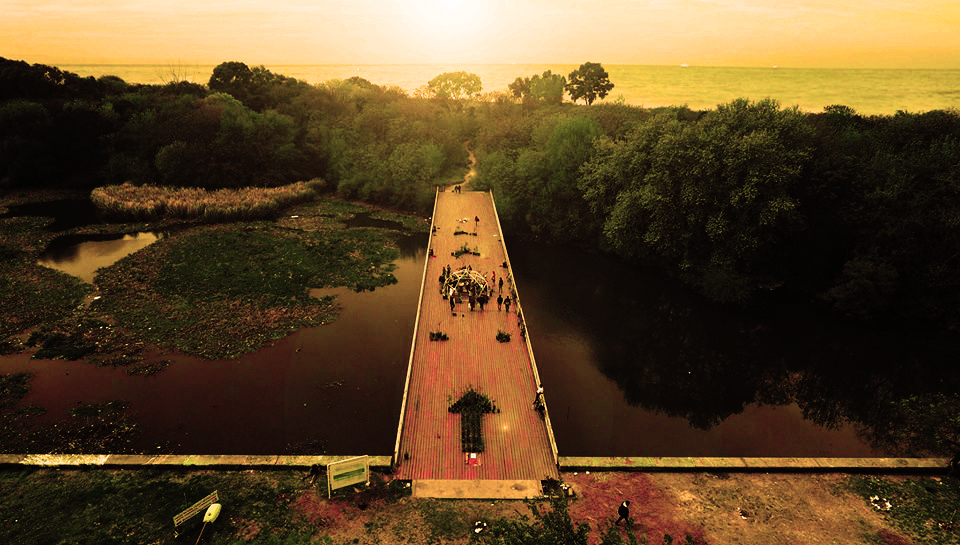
[852, 465]
[567, 463]
[179, 460]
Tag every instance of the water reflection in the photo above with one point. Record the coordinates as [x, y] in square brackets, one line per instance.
[640, 366]
[82, 255]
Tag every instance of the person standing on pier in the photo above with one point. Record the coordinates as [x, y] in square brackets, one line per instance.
[500, 286]
[506, 303]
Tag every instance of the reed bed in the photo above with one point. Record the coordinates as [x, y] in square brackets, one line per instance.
[128, 202]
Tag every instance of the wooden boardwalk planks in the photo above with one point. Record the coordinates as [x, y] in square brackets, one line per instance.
[518, 442]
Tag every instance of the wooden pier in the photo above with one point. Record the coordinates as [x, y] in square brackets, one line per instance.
[519, 443]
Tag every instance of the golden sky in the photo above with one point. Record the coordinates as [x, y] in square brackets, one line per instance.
[802, 33]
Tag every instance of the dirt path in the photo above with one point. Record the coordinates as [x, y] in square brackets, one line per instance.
[472, 172]
[733, 508]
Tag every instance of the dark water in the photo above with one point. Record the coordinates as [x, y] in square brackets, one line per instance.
[633, 365]
[82, 255]
[66, 214]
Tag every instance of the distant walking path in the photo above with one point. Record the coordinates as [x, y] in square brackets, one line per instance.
[519, 444]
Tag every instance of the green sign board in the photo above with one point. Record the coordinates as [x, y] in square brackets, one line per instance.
[347, 472]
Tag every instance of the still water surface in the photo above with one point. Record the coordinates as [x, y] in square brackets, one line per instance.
[82, 255]
[633, 365]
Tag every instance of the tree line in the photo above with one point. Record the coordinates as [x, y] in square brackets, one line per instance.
[744, 202]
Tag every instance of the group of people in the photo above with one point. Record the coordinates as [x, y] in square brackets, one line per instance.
[472, 290]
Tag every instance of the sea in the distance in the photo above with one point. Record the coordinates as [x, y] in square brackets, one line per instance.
[868, 91]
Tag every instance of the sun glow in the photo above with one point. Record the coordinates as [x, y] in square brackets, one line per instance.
[448, 23]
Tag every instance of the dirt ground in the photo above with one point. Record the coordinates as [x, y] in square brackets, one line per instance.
[738, 508]
[734, 508]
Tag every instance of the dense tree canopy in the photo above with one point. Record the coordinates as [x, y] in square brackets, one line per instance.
[546, 88]
[589, 82]
[855, 213]
[455, 85]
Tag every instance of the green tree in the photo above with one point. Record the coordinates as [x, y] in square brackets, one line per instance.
[546, 88]
[711, 197]
[230, 77]
[922, 425]
[455, 85]
[588, 82]
[520, 88]
[26, 131]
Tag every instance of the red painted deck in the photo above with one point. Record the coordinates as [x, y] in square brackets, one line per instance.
[518, 439]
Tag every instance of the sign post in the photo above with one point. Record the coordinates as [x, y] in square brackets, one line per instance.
[347, 472]
[193, 510]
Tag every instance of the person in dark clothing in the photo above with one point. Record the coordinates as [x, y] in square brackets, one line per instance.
[624, 512]
[506, 303]
[499, 302]
[500, 286]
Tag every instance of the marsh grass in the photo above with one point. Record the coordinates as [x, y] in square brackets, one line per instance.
[130, 202]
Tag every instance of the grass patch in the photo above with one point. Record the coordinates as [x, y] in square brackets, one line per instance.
[147, 203]
[444, 521]
[104, 507]
[926, 509]
[33, 295]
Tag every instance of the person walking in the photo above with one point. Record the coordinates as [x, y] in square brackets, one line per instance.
[500, 286]
[499, 302]
[624, 512]
[506, 303]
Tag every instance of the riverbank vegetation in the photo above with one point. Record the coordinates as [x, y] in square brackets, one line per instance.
[213, 291]
[750, 203]
[95, 505]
